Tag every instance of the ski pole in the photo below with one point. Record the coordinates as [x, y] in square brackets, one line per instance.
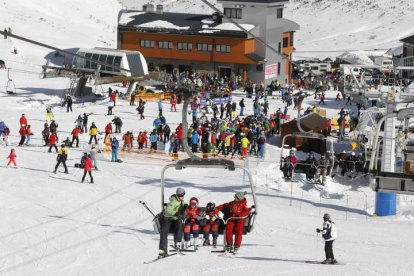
[317, 239]
[146, 207]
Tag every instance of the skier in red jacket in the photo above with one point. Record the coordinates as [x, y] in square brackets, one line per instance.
[238, 208]
[23, 120]
[87, 168]
[12, 158]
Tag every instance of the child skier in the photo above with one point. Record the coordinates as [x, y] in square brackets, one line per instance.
[12, 158]
[238, 208]
[329, 234]
[212, 224]
[192, 225]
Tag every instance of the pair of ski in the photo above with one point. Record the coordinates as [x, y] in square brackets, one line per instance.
[322, 263]
[175, 252]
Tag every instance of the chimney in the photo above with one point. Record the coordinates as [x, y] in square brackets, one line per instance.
[148, 8]
[160, 9]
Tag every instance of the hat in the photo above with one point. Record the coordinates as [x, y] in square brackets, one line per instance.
[239, 196]
[326, 216]
[180, 192]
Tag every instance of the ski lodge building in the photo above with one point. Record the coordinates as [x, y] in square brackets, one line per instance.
[209, 43]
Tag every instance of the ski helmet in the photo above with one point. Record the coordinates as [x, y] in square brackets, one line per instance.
[179, 192]
[210, 207]
[326, 216]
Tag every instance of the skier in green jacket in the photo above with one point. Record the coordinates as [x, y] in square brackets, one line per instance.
[172, 217]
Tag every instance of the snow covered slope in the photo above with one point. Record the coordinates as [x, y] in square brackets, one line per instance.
[55, 225]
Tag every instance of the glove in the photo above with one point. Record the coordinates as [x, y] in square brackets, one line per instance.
[318, 230]
[207, 217]
[185, 206]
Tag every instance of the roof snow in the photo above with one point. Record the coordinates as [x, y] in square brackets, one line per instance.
[233, 27]
[128, 17]
[161, 24]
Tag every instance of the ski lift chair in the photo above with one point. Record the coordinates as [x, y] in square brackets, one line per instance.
[10, 86]
[211, 163]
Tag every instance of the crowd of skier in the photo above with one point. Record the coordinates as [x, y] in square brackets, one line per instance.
[219, 127]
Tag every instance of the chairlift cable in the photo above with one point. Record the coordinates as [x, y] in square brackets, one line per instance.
[63, 51]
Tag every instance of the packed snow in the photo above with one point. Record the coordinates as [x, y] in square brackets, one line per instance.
[56, 225]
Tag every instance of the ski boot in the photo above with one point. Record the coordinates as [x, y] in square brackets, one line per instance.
[236, 250]
[333, 261]
[229, 248]
[177, 246]
[162, 254]
[214, 242]
[327, 261]
[206, 242]
[187, 244]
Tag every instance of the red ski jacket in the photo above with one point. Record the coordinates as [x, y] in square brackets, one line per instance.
[237, 208]
[88, 164]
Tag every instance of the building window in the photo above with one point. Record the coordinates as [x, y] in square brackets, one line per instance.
[223, 48]
[285, 42]
[147, 43]
[185, 46]
[203, 47]
[279, 13]
[233, 13]
[278, 68]
[291, 38]
[259, 67]
[165, 44]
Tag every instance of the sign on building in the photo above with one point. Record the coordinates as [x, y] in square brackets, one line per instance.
[271, 71]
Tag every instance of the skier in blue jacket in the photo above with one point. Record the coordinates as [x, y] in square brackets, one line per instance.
[114, 147]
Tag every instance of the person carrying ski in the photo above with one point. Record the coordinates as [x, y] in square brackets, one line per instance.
[172, 217]
[61, 158]
[212, 225]
[87, 168]
[329, 234]
[192, 216]
[238, 209]
[12, 158]
[289, 165]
